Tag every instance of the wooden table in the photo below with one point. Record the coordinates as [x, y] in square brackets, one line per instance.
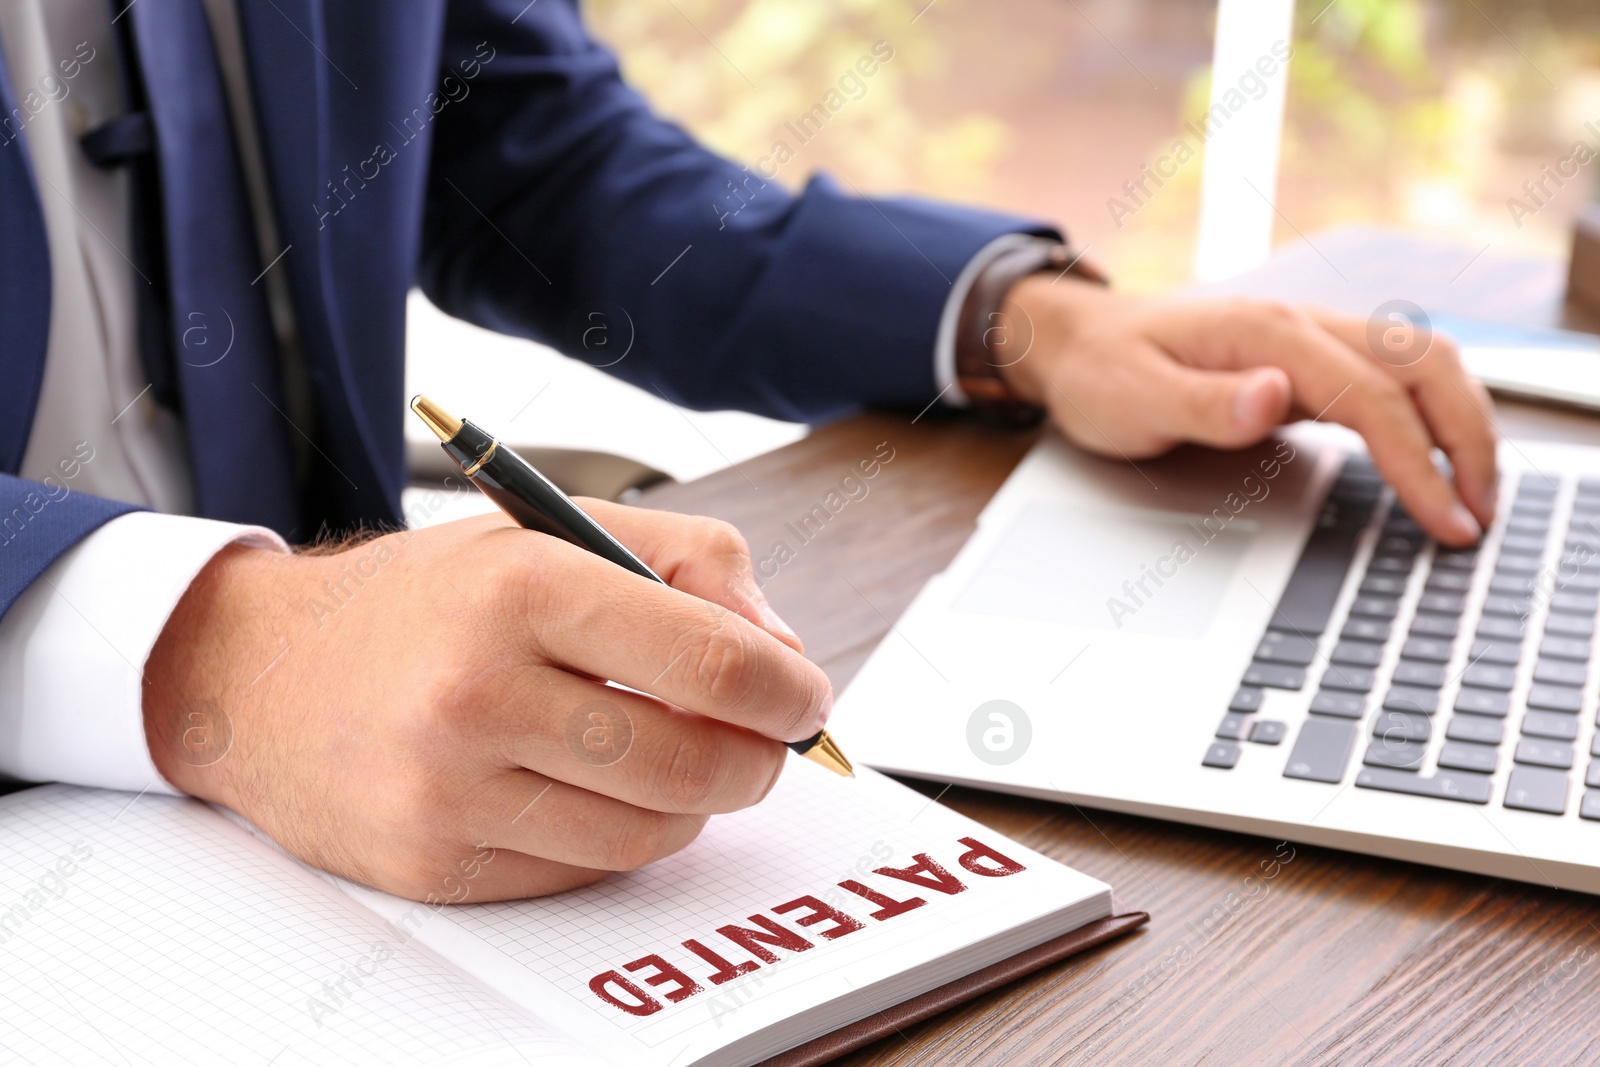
[1337, 958]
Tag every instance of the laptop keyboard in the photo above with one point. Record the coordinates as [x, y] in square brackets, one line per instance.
[1459, 675]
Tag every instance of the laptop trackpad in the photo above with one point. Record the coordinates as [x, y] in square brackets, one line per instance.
[1139, 571]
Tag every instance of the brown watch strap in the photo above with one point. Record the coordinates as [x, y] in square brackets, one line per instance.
[984, 337]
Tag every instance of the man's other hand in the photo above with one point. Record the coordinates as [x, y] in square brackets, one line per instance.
[1132, 377]
[425, 712]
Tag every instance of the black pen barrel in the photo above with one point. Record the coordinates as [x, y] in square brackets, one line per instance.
[532, 499]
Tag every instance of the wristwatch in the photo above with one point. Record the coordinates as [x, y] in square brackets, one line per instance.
[986, 337]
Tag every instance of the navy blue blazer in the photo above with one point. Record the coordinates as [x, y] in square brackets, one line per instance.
[523, 198]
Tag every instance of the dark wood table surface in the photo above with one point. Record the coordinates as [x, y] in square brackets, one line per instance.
[1334, 958]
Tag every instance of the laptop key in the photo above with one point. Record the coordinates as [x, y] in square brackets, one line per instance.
[1296, 650]
[1557, 647]
[1426, 649]
[1322, 751]
[1503, 653]
[1462, 559]
[1435, 625]
[1517, 607]
[1569, 626]
[1479, 729]
[1594, 746]
[1390, 564]
[1234, 726]
[1534, 484]
[1555, 698]
[1444, 785]
[1539, 753]
[1344, 705]
[1550, 724]
[1357, 653]
[1582, 582]
[1592, 778]
[1365, 630]
[1402, 726]
[1466, 756]
[1224, 754]
[1413, 672]
[1448, 582]
[1399, 544]
[1275, 675]
[1590, 808]
[1392, 752]
[1313, 588]
[1574, 603]
[1246, 698]
[1523, 543]
[1528, 524]
[1350, 679]
[1442, 603]
[1375, 607]
[1489, 676]
[1519, 585]
[1423, 701]
[1382, 585]
[1268, 732]
[1483, 701]
[1517, 565]
[1560, 672]
[1504, 629]
[1537, 789]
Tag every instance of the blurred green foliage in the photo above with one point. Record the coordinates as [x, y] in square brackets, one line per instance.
[736, 71]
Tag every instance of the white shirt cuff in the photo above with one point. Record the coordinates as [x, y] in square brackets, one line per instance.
[944, 345]
[74, 645]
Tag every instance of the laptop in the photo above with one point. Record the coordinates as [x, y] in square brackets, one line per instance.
[1264, 641]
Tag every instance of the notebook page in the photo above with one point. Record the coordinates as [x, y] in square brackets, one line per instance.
[149, 930]
[814, 832]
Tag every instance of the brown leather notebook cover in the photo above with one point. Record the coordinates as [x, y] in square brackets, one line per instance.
[831, 1046]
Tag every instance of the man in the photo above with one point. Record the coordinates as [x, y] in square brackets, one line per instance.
[233, 198]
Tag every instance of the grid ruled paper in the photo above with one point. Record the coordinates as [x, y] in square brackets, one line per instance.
[149, 930]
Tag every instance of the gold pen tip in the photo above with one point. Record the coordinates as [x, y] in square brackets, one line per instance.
[441, 422]
[826, 752]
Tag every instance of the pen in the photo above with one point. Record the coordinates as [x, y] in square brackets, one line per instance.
[535, 503]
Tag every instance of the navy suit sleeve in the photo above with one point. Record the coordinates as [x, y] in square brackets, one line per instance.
[37, 524]
[561, 209]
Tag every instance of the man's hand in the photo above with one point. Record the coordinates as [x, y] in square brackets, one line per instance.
[425, 712]
[1132, 377]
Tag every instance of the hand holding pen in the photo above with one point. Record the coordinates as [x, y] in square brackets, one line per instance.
[535, 503]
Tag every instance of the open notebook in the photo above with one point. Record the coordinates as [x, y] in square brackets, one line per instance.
[155, 930]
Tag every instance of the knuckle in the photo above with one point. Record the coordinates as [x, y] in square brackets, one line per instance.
[639, 838]
[726, 668]
[722, 538]
[451, 698]
[1386, 392]
[1266, 314]
[692, 771]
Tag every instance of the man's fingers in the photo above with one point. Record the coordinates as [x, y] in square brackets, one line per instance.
[707, 558]
[1223, 409]
[1455, 406]
[586, 614]
[1381, 410]
[538, 816]
[617, 743]
[1332, 382]
[503, 874]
